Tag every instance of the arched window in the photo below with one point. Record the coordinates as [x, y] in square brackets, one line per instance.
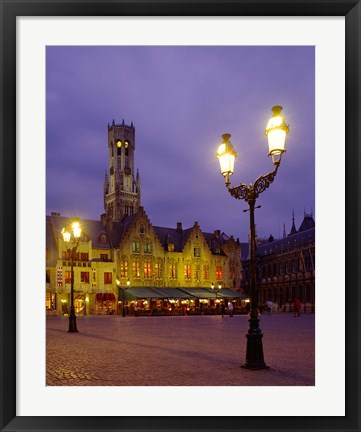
[119, 147]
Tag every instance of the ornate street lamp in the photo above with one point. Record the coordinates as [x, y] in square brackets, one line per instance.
[216, 290]
[276, 132]
[71, 236]
[123, 291]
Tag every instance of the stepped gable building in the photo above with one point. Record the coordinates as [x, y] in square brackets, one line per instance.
[124, 246]
[286, 266]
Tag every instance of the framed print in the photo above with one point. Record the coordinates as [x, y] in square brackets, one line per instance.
[165, 306]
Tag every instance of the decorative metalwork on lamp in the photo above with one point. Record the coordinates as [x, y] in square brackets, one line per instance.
[276, 132]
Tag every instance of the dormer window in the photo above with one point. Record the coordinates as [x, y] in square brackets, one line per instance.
[103, 238]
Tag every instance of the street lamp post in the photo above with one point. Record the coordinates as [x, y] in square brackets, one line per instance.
[123, 296]
[216, 290]
[276, 132]
[71, 236]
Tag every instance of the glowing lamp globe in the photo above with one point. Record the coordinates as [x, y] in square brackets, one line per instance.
[226, 156]
[66, 235]
[76, 229]
[276, 132]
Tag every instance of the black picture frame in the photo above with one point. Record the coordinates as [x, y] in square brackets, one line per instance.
[10, 10]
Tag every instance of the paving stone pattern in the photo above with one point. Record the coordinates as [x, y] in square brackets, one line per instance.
[178, 351]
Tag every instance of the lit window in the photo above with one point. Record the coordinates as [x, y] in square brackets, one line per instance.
[68, 277]
[136, 269]
[187, 271]
[123, 269]
[108, 277]
[119, 143]
[219, 272]
[147, 270]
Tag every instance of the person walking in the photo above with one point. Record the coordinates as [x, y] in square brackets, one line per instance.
[230, 308]
[296, 307]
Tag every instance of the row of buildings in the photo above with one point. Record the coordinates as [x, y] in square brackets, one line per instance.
[123, 260]
[124, 250]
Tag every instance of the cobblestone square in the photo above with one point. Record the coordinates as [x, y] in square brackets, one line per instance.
[178, 351]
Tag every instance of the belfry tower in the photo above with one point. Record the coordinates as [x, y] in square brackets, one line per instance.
[121, 186]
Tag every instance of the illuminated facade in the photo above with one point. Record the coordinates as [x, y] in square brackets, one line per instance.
[124, 246]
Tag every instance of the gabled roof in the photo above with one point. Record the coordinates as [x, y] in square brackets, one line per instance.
[92, 228]
[290, 242]
[118, 229]
[215, 242]
[307, 223]
[173, 236]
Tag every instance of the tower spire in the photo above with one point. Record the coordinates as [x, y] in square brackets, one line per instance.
[293, 228]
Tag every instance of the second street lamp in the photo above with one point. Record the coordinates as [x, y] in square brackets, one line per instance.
[276, 132]
[123, 294]
[216, 290]
[71, 236]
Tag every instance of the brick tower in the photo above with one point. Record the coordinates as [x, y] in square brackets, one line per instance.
[121, 185]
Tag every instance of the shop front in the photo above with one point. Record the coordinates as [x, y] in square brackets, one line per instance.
[180, 301]
[105, 304]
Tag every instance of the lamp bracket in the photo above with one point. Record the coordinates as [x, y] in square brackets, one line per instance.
[251, 192]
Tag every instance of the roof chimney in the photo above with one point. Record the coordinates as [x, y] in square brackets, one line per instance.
[179, 227]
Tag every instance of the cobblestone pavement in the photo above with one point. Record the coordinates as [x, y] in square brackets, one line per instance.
[178, 351]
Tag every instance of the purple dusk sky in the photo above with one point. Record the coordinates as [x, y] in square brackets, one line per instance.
[181, 99]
